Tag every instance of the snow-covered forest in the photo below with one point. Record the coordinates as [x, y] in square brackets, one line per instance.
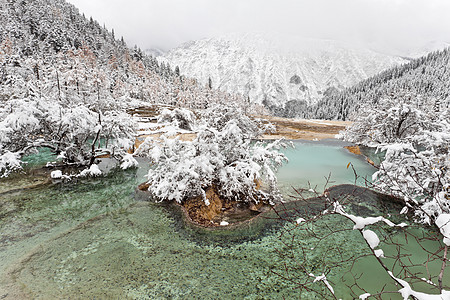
[66, 80]
[426, 76]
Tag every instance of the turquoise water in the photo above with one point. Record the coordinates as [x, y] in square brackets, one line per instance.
[44, 155]
[96, 239]
[312, 163]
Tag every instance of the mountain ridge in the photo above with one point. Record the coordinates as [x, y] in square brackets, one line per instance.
[267, 69]
[427, 77]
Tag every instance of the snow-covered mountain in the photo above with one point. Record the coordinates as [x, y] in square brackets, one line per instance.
[428, 48]
[155, 52]
[427, 78]
[277, 68]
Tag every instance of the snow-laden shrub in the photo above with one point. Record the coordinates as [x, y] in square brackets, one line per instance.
[9, 162]
[179, 117]
[74, 132]
[416, 143]
[222, 156]
[420, 178]
[219, 116]
[391, 120]
[92, 171]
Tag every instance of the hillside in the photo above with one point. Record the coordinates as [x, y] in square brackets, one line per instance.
[66, 83]
[274, 69]
[47, 45]
[428, 76]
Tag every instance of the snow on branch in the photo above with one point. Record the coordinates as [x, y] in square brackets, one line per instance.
[415, 140]
[222, 155]
[73, 131]
[362, 222]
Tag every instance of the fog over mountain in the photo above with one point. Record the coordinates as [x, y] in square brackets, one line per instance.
[392, 26]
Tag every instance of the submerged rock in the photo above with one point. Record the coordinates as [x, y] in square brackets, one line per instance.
[217, 213]
[220, 211]
[204, 214]
[21, 182]
[144, 186]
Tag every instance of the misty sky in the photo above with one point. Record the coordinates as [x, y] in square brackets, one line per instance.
[389, 25]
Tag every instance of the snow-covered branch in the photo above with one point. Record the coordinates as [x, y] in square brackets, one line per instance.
[74, 132]
[222, 155]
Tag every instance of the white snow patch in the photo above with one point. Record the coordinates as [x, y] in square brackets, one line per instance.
[371, 238]
[407, 291]
[224, 223]
[61, 155]
[428, 281]
[364, 296]
[361, 222]
[128, 161]
[443, 223]
[379, 253]
[56, 174]
[324, 279]
[404, 210]
[92, 171]
[300, 220]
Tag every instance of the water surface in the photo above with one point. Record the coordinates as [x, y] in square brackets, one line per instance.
[95, 239]
[322, 164]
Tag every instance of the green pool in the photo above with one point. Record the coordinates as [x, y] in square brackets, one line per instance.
[93, 239]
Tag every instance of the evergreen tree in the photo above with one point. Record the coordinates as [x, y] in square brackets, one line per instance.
[428, 76]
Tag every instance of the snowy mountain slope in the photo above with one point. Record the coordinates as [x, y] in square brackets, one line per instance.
[63, 55]
[427, 77]
[155, 52]
[266, 67]
[428, 48]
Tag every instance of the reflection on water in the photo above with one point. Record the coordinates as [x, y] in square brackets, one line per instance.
[92, 239]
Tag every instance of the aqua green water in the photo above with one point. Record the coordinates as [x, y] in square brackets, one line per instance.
[44, 155]
[311, 163]
[93, 239]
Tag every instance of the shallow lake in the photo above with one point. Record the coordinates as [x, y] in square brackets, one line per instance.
[312, 163]
[95, 239]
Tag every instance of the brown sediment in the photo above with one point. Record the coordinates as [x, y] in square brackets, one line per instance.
[204, 214]
[356, 150]
[291, 129]
[218, 209]
[300, 129]
[285, 128]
